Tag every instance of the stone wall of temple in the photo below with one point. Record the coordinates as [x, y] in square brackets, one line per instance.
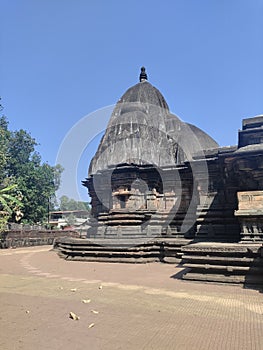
[203, 191]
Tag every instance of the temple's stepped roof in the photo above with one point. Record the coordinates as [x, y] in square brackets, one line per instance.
[141, 130]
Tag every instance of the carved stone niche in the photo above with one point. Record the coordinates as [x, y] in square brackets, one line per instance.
[250, 215]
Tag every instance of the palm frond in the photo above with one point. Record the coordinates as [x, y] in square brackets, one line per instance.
[8, 188]
[11, 198]
[5, 205]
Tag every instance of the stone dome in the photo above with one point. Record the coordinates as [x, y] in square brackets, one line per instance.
[206, 142]
[144, 93]
[141, 130]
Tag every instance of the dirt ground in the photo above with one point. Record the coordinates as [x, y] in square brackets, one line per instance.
[120, 306]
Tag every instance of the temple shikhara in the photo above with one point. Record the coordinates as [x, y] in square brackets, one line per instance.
[163, 190]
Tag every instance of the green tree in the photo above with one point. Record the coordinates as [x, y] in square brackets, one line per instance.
[67, 203]
[4, 142]
[21, 152]
[38, 184]
[21, 164]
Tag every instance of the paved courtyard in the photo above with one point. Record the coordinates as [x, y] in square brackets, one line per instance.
[120, 306]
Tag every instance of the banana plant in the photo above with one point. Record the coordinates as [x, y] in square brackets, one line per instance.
[9, 204]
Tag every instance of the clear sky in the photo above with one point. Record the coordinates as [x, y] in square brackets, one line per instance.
[64, 59]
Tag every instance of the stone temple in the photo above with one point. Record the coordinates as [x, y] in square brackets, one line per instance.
[163, 190]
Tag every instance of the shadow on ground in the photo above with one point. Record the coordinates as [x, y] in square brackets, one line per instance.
[179, 275]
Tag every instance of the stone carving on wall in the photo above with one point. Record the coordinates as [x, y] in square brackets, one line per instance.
[250, 214]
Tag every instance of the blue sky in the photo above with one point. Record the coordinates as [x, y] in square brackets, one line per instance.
[63, 59]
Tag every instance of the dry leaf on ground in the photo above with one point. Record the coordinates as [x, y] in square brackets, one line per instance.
[73, 316]
[94, 311]
[86, 301]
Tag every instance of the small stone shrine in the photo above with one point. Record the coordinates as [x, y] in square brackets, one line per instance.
[162, 189]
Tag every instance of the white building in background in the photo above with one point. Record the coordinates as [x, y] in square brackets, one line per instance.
[69, 218]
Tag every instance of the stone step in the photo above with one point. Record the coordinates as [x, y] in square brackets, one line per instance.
[111, 259]
[213, 278]
[221, 262]
[223, 249]
[147, 248]
[228, 268]
[219, 259]
[171, 260]
[108, 250]
[243, 279]
[107, 253]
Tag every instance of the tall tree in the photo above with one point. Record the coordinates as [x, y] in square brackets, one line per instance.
[4, 142]
[21, 152]
[38, 184]
[20, 164]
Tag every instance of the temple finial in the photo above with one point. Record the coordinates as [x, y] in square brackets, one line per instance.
[143, 75]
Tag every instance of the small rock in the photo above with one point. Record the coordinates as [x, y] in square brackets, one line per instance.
[91, 325]
[73, 289]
